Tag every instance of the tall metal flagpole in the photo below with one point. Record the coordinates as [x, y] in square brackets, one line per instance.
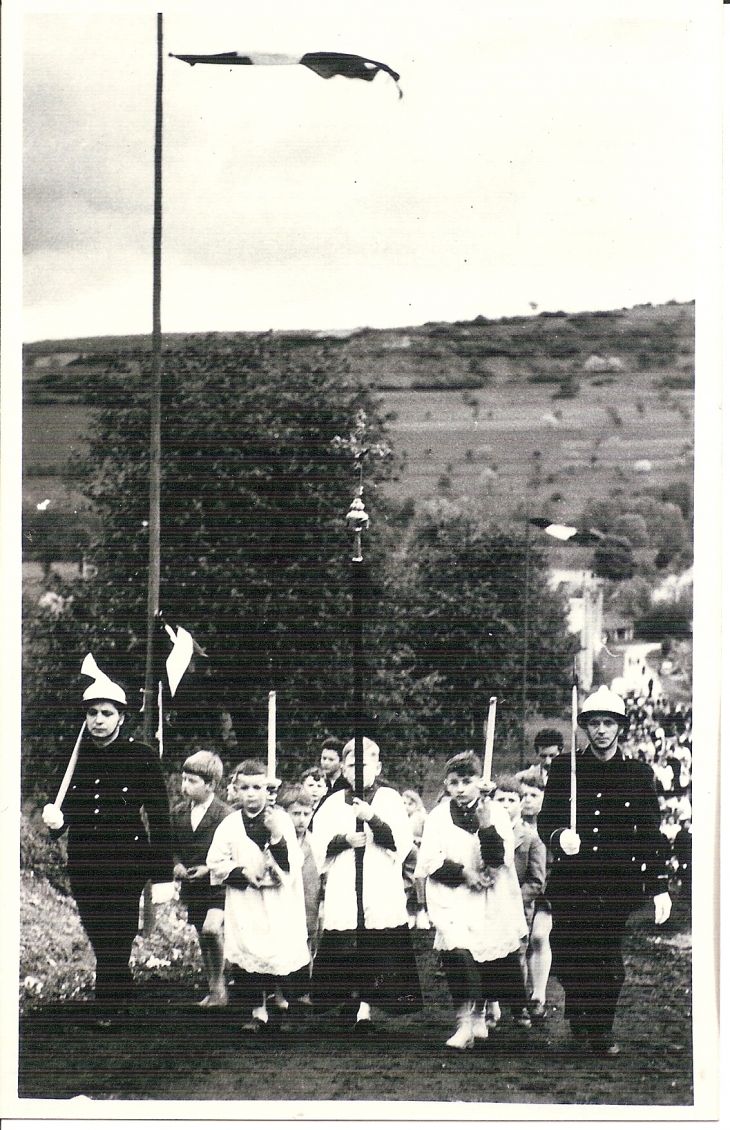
[153, 588]
[357, 521]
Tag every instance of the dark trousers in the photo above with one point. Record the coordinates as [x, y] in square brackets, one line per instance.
[248, 989]
[499, 980]
[586, 944]
[109, 909]
[377, 966]
[298, 984]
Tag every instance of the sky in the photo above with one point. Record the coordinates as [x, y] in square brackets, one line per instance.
[542, 157]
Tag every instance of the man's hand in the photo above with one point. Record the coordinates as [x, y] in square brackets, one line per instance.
[362, 810]
[662, 908]
[356, 839]
[179, 871]
[198, 872]
[52, 817]
[569, 842]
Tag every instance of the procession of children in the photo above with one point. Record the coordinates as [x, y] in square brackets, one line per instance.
[305, 895]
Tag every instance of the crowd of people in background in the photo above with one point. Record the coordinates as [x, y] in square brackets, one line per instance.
[661, 735]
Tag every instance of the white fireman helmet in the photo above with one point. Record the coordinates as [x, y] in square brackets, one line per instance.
[603, 701]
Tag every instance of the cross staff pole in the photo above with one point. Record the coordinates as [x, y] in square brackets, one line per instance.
[357, 521]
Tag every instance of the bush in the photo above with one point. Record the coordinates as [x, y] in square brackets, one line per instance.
[40, 856]
[56, 960]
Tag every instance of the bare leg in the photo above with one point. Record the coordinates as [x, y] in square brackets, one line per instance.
[211, 947]
[540, 957]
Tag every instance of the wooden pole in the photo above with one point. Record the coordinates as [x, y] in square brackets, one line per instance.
[525, 639]
[61, 794]
[153, 586]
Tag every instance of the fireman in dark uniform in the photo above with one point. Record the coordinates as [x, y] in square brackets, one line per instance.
[603, 872]
[110, 854]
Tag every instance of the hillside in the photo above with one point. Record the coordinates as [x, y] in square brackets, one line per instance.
[542, 413]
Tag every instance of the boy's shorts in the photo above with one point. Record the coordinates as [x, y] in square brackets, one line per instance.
[200, 897]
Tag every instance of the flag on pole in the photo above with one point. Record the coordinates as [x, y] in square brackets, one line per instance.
[326, 64]
[568, 533]
[179, 658]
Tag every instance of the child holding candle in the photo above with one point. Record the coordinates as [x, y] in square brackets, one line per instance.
[473, 897]
[256, 856]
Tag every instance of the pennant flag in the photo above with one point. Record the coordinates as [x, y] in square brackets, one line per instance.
[326, 64]
[179, 658]
[568, 533]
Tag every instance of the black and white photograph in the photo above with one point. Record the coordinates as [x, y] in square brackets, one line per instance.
[361, 528]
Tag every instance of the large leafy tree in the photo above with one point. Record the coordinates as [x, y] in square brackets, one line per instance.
[460, 588]
[255, 487]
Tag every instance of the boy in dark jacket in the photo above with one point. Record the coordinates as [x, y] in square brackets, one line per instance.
[530, 865]
[194, 822]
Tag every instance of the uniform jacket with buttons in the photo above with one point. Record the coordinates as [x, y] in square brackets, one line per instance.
[618, 823]
[102, 811]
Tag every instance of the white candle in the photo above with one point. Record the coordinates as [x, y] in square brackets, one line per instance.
[489, 744]
[271, 761]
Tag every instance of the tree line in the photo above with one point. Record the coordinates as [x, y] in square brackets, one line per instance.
[257, 476]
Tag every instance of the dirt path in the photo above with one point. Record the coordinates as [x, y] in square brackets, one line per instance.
[166, 1048]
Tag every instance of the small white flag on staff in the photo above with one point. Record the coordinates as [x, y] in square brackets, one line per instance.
[179, 658]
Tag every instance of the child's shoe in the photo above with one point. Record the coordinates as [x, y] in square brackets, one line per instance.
[215, 999]
[493, 1014]
[363, 1020]
[258, 1020]
[479, 1026]
[522, 1018]
[259, 1017]
[463, 1037]
[538, 1011]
